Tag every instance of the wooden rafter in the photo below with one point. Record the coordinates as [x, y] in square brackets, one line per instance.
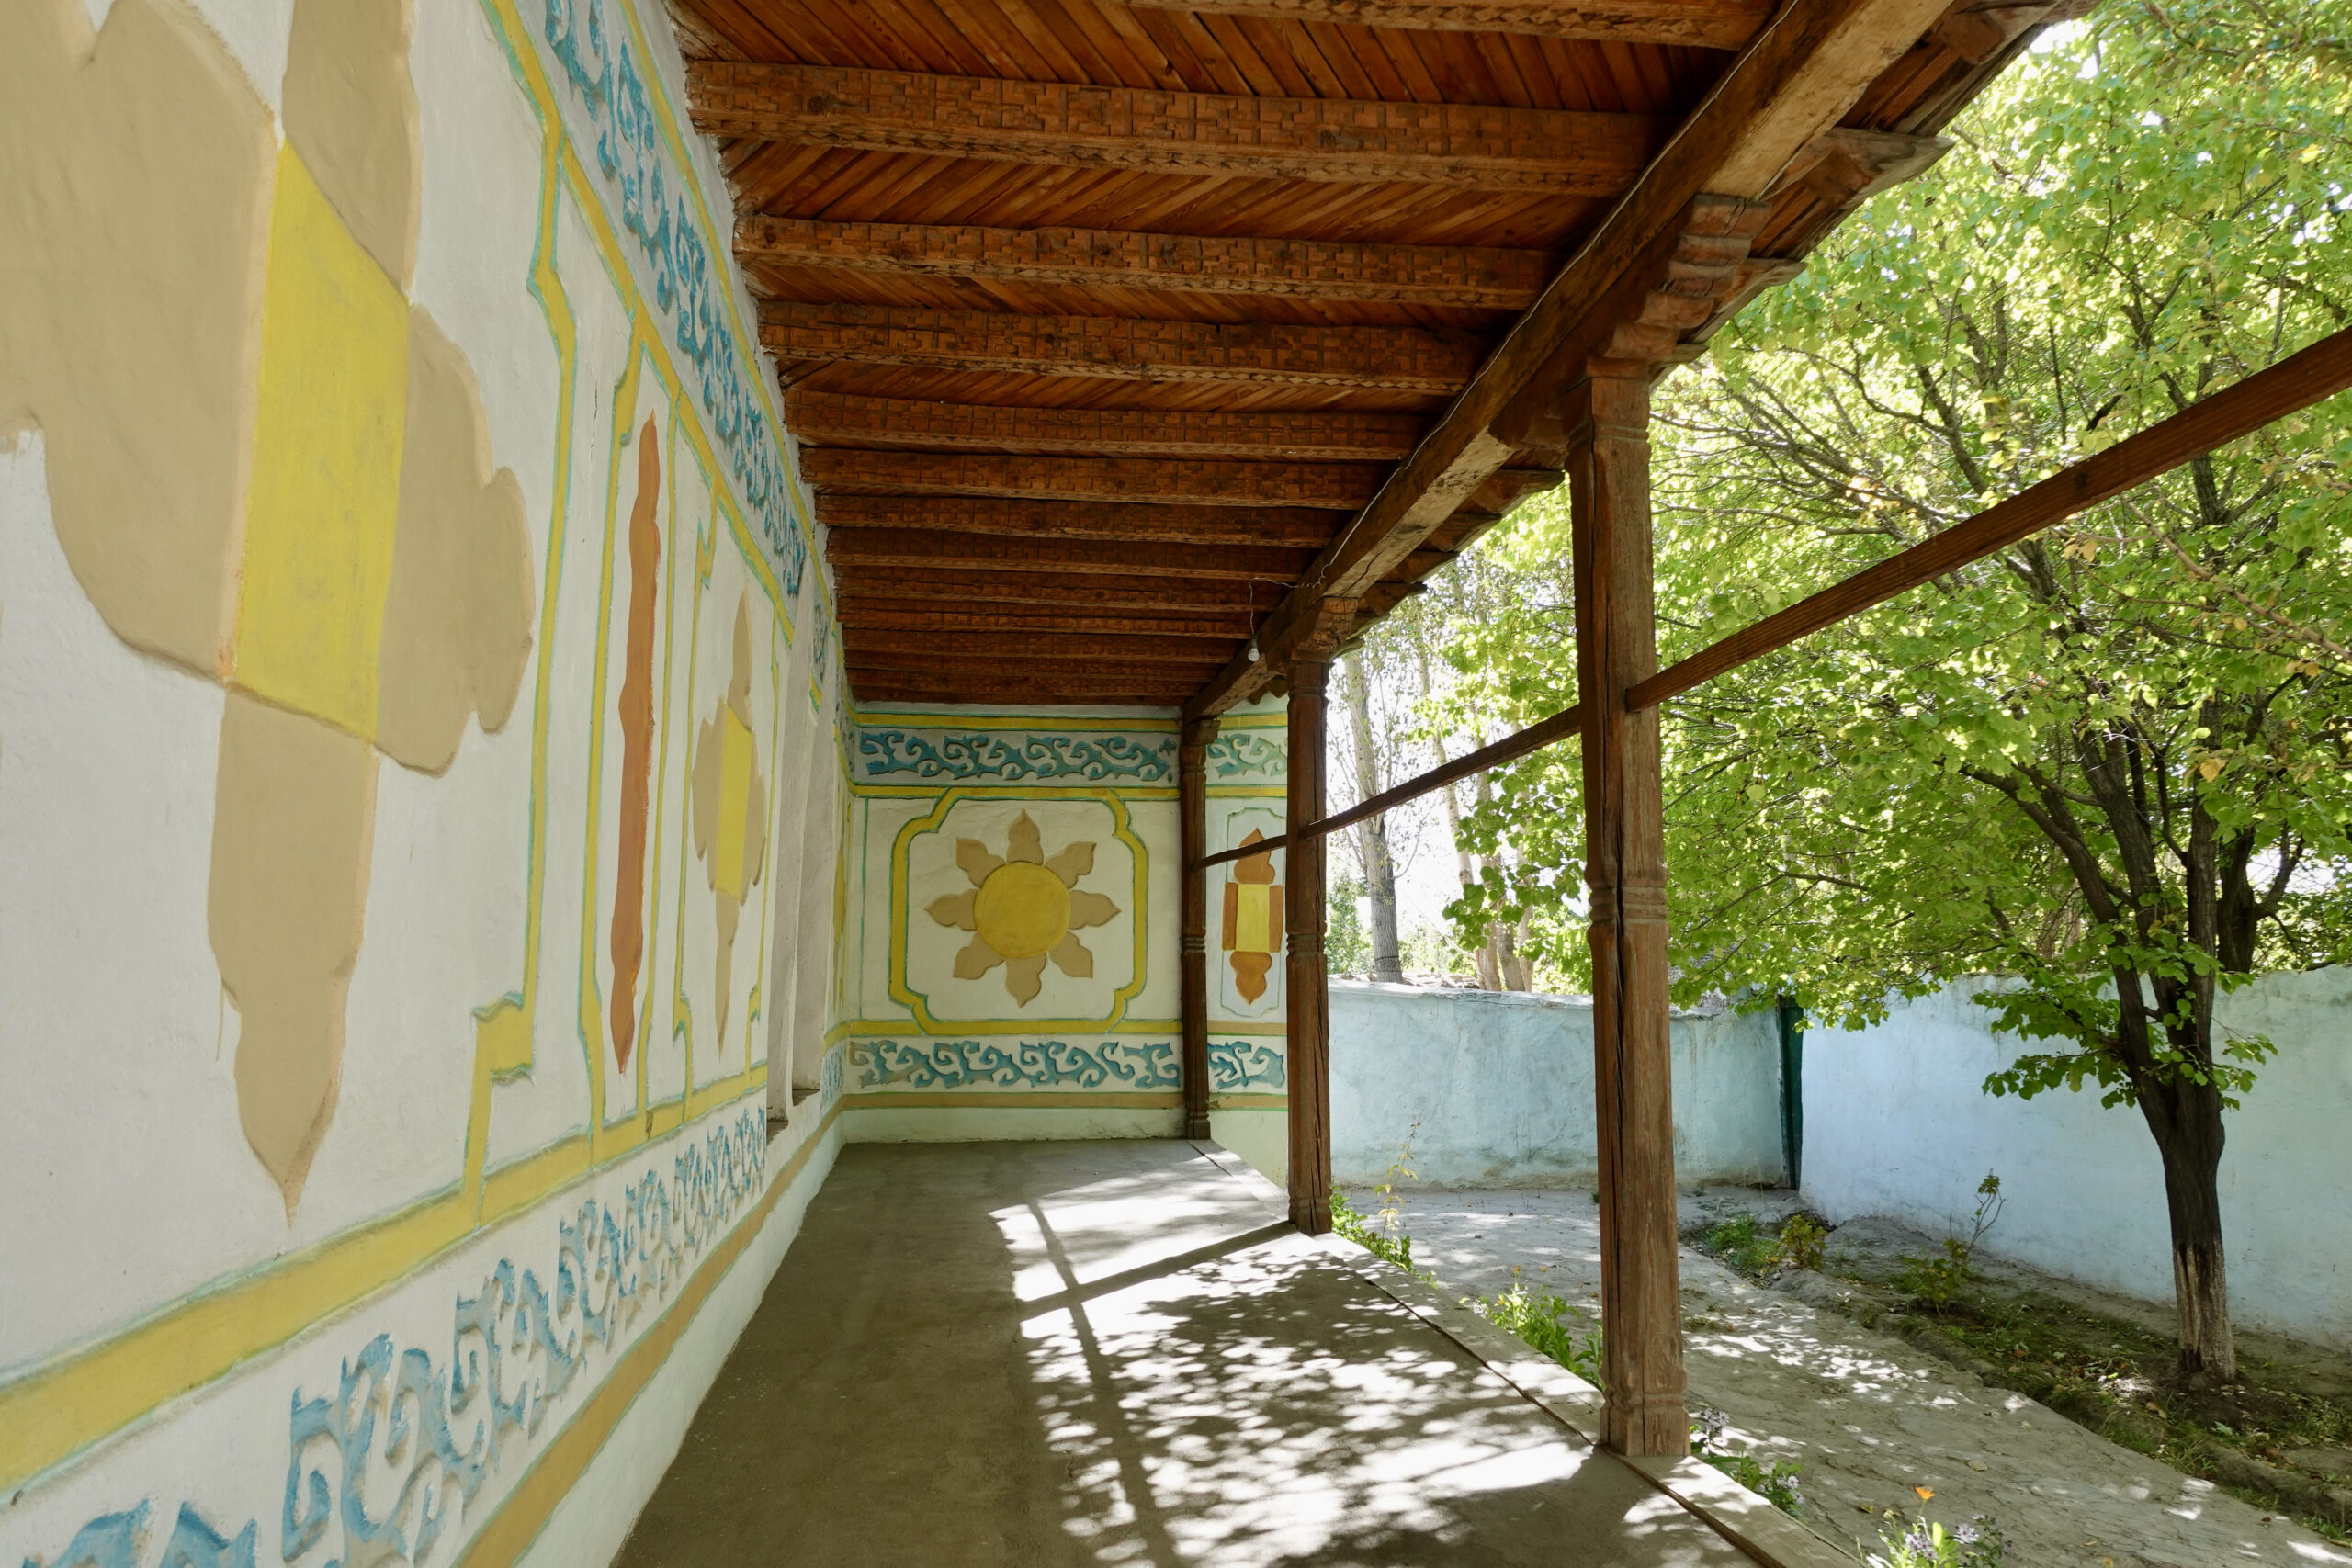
[1030, 647]
[1122, 348]
[1344, 140]
[1337, 437]
[1070, 682]
[1793, 83]
[873, 695]
[872, 547]
[1296, 527]
[1339, 486]
[1696, 23]
[1058, 591]
[1487, 279]
[881, 613]
[1096, 672]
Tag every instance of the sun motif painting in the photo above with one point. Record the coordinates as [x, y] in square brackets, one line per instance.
[1023, 908]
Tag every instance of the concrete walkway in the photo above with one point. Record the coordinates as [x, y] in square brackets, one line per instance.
[1867, 1416]
[1041, 1354]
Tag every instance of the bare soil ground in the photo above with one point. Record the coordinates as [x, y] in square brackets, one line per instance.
[1837, 1373]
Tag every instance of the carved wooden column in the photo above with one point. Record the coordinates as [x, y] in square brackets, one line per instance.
[1606, 413]
[1306, 1001]
[1192, 841]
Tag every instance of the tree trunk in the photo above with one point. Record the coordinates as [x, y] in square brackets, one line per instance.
[2186, 1120]
[1498, 964]
[1465, 866]
[1379, 868]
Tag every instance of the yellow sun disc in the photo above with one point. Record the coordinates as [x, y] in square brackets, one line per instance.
[1023, 909]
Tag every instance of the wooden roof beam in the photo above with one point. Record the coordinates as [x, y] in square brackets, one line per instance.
[1335, 486]
[1146, 683]
[874, 694]
[872, 547]
[948, 649]
[879, 612]
[1121, 348]
[1696, 24]
[1484, 278]
[1300, 527]
[1801, 74]
[1349, 140]
[833, 418]
[1064, 591]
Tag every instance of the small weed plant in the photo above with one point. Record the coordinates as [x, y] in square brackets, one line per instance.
[1755, 1251]
[1802, 1241]
[1777, 1482]
[1367, 1233]
[1535, 1316]
[1382, 1233]
[1922, 1543]
[1936, 1280]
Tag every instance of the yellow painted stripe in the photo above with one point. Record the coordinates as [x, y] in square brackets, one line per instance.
[57, 1410]
[509, 1531]
[53, 1412]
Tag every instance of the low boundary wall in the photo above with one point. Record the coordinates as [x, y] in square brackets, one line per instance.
[1495, 1089]
[1896, 1123]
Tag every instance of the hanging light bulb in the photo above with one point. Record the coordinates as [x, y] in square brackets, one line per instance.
[1253, 648]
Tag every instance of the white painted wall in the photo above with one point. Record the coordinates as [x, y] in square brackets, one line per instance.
[188, 1342]
[1495, 1089]
[1896, 1124]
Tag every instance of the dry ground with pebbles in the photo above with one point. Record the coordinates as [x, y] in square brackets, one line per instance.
[1867, 1416]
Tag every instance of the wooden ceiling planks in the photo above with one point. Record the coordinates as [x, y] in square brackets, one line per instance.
[1105, 323]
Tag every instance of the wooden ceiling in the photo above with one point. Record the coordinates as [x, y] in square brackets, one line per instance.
[1101, 325]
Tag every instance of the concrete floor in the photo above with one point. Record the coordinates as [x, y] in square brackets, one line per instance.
[1114, 1352]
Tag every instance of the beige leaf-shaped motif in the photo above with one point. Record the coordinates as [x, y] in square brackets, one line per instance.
[1021, 977]
[973, 856]
[1021, 840]
[977, 959]
[1074, 861]
[1072, 959]
[956, 909]
[1089, 909]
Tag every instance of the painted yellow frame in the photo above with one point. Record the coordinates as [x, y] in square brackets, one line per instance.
[914, 1001]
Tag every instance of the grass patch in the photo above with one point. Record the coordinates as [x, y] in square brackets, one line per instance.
[1757, 1250]
[1535, 1315]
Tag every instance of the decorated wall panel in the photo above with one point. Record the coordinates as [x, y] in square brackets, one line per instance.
[1011, 931]
[410, 637]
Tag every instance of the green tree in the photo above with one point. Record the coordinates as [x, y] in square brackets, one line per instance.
[1347, 948]
[2112, 765]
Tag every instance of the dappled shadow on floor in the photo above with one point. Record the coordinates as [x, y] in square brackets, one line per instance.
[1106, 1354]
